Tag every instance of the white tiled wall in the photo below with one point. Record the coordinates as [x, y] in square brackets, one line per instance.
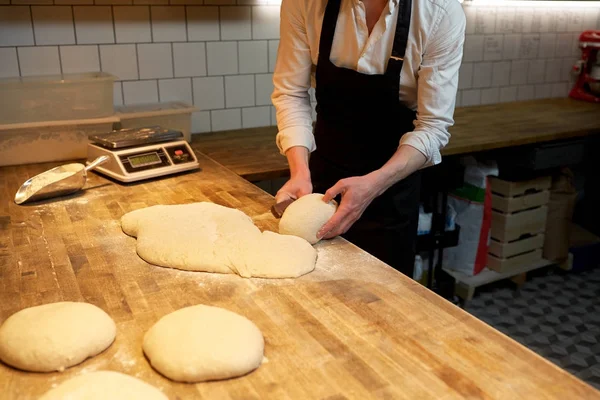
[220, 54]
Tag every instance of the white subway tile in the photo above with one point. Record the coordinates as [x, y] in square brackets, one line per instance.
[525, 92]
[543, 91]
[562, 23]
[93, 24]
[471, 97]
[219, 2]
[110, 2]
[151, 2]
[512, 45]
[547, 45]
[201, 122]
[40, 60]
[273, 116]
[553, 70]
[490, 96]
[9, 66]
[140, 92]
[458, 100]
[118, 94]
[518, 72]
[27, 2]
[53, 25]
[155, 60]
[560, 89]
[78, 59]
[485, 22]
[186, 2]
[264, 89]
[203, 23]
[508, 94]
[591, 17]
[168, 23]
[252, 2]
[235, 23]
[465, 76]
[273, 48]
[209, 92]
[567, 69]
[482, 75]
[224, 120]
[501, 73]
[254, 117]
[564, 43]
[575, 20]
[530, 46]
[132, 24]
[473, 48]
[119, 60]
[536, 71]
[265, 22]
[253, 56]
[492, 47]
[505, 20]
[190, 59]
[471, 16]
[548, 19]
[239, 91]
[222, 58]
[15, 26]
[175, 90]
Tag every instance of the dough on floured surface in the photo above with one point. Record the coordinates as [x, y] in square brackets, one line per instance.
[208, 237]
[201, 343]
[55, 336]
[104, 385]
[306, 216]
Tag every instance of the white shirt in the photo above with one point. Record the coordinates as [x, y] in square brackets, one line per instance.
[429, 77]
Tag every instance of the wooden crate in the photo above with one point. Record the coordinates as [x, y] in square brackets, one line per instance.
[509, 227]
[515, 262]
[519, 203]
[510, 249]
[519, 188]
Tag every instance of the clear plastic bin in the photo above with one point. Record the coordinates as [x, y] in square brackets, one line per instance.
[56, 97]
[172, 115]
[49, 141]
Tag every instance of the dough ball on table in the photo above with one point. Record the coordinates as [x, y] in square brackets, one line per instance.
[104, 385]
[202, 343]
[55, 336]
[305, 216]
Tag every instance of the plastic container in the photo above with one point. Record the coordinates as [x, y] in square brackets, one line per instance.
[49, 141]
[56, 97]
[171, 115]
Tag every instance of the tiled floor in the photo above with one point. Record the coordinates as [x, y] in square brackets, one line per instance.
[555, 314]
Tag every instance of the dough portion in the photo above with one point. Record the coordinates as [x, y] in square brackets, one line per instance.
[55, 336]
[104, 385]
[201, 343]
[208, 237]
[305, 216]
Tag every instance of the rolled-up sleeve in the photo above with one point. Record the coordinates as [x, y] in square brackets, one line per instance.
[437, 84]
[291, 80]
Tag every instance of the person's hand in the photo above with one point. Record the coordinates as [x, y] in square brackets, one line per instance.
[357, 193]
[293, 189]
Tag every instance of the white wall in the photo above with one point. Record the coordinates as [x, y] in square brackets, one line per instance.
[220, 55]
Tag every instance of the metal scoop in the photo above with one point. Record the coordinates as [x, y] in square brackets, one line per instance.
[59, 181]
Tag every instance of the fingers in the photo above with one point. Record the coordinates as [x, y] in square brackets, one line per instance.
[282, 196]
[336, 189]
[333, 222]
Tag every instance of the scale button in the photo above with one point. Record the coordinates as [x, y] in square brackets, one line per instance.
[178, 152]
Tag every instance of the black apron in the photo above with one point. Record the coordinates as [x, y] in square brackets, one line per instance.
[360, 121]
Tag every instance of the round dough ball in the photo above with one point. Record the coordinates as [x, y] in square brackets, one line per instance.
[55, 336]
[305, 216]
[201, 343]
[103, 385]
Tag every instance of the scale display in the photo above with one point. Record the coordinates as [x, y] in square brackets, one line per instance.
[143, 160]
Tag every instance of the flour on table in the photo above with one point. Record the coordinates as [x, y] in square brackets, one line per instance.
[201, 343]
[55, 336]
[208, 237]
[104, 385]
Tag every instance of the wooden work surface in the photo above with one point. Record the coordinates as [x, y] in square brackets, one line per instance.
[354, 328]
[252, 153]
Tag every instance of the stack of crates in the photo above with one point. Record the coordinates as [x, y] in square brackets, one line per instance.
[518, 222]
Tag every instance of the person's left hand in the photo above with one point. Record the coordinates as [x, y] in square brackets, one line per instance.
[357, 193]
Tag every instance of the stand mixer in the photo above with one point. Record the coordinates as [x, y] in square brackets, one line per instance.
[587, 69]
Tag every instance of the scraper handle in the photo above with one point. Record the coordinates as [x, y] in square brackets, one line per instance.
[96, 162]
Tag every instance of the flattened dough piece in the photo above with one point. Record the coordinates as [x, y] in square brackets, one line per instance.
[305, 216]
[208, 237]
[201, 343]
[55, 336]
[104, 385]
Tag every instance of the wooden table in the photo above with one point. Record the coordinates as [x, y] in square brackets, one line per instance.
[252, 153]
[354, 328]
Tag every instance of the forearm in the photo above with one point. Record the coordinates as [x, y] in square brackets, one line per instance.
[297, 157]
[404, 162]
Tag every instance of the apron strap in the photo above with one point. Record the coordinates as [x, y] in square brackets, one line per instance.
[328, 30]
[400, 38]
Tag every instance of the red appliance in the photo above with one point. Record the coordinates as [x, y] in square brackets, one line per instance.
[587, 69]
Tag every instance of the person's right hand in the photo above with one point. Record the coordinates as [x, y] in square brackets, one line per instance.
[293, 189]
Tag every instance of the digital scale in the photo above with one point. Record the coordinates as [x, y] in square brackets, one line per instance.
[137, 154]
